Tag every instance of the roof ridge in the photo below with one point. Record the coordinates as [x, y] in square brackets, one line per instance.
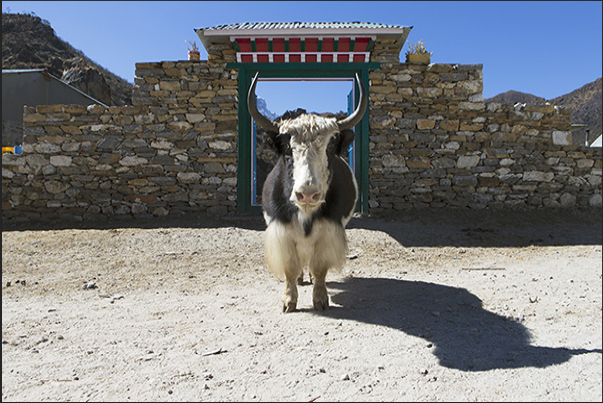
[302, 25]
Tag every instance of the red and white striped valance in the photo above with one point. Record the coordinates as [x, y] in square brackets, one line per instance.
[303, 50]
[303, 57]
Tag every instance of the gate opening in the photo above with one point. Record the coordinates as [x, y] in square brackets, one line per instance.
[275, 96]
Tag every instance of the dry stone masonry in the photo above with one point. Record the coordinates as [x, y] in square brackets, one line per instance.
[433, 143]
[173, 151]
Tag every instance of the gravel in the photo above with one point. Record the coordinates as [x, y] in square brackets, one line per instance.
[431, 306]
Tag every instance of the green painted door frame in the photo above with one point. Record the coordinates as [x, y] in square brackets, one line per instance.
[299, 70]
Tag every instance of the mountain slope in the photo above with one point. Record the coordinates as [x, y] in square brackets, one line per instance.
[512, 97]
[28, 42]
[586, 106]
[585, 103]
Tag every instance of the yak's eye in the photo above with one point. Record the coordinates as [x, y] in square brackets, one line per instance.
[331, 146]
[285, 143]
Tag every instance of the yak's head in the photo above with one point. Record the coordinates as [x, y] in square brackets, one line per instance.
[311, 142]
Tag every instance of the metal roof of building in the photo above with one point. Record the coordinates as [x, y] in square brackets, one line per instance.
[18, 71]
[303, 25]
[48, 76]
[224, 33]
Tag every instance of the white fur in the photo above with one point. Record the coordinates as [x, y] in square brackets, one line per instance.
[289, 251]
[310, 136]
[307, 127]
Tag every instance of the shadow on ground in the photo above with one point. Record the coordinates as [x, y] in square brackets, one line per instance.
[465, 336]
[418, 227]
[189, 220]
[489, 228]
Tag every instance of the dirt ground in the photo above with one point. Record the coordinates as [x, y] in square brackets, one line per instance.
[431, 306]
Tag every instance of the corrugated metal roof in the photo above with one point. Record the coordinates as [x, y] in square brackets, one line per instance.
[48, 76]
[224, 33]
[302, 25]
[22, 71]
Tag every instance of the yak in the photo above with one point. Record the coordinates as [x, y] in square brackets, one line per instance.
[308, 197]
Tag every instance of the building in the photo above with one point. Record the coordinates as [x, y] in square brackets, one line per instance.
[33, 87]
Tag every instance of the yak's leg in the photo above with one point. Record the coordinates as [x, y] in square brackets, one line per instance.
[300, 279]
[320, 298]
[290, 294]
[293, 272]
[282, 258]
[329, 253]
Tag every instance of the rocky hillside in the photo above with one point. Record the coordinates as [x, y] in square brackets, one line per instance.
[586, 107]
[512, 97]
[585, 103]
[29, 42]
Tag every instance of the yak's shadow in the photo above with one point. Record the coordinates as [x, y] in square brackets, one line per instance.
[465, 336]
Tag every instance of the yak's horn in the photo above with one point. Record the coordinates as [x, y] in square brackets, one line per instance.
[260, 119]
[355, 117]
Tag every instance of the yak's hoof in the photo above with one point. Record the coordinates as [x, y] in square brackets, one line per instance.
[321, 305]
[320, 301]
[290, 307]
[320, 298]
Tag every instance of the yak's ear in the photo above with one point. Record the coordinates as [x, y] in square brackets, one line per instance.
[270, 140]
[277, 142]
[345, 139]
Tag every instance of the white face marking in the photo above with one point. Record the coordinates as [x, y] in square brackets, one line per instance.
[310, 136]
[310, 171]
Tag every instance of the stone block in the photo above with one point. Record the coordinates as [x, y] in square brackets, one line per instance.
[47, 148]
[567, 200]
[595, 200]
[563, 138]
[418, 162]
[131, 161]
[162, 144]
[141, 198]
[537, 176]
[33, 118]
[390, 160]
[467, 161]
[60, 160]
[95, 109]
[170, 86]
[488, 181]
[188, 177]
[194, 117]
[425, 124]
[382, 122]
[54, 187]
[464, 180]
[450, 125]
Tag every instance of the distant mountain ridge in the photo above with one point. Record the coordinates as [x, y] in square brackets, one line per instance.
[263, 108]
[585, 103]
[28, 42]
[511, 97]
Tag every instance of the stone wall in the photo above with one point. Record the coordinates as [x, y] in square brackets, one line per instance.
[174, 151]
[433, 143]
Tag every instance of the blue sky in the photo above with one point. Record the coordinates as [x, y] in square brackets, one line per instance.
[545, 48]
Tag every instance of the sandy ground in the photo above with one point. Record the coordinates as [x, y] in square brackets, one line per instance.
[431, 306]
